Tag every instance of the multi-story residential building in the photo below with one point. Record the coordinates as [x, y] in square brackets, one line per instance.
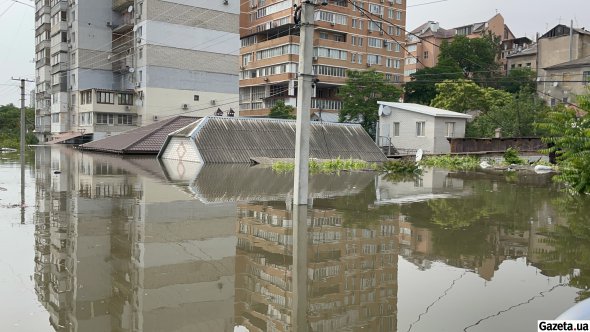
[344, 38]
[563, 60]
[105, 67]
[522, 58]
[423, 43]
[512, 47]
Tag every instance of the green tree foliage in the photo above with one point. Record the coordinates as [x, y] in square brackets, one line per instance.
[569, 136]
[515, 114]
[422, 87]
[476, 56]
[463, 95]
[519, 79]
[10, 126]
[282, 111]
[517, 118]
[473, 58]
[360, 95]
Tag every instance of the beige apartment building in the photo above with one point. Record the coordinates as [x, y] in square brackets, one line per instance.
[344, 39]
[423, 43]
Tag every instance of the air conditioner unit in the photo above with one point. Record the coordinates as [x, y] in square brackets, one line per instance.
[253, 5]
[155, 118]
[382, 1]
[184, 106]
[139, 40]
[390, 2]
[381, 33]
[242, 67]
[369, 64]
[332, 23]
[138, 84]
[109, 24]
[315, 58]
[212, 101]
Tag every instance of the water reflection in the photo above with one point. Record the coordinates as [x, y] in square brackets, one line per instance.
[127, 244]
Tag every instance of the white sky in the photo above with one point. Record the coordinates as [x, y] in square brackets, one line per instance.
[524, 17]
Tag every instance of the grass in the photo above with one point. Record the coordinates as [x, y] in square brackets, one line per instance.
[451, 162]
[327, 166]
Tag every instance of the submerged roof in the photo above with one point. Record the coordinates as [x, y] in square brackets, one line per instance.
[143, 140]
[237, 140]
[423, 109]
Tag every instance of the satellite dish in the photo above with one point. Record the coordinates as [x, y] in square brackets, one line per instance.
[384, 110]
[109, 57]
[130, 9]
[131, 69]
[419, 154]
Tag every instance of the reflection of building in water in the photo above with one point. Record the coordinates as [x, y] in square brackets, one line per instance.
[432, 184]
[352, 272]
[116, 249]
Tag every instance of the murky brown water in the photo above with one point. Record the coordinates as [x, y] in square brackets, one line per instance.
[114, 244]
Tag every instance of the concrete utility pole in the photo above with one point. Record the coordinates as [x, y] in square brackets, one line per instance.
[22, 144]
[303, 125]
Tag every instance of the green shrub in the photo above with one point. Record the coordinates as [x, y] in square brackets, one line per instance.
[451, 162]
[511, 157]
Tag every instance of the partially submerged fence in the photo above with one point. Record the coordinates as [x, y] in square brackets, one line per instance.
[522, 144]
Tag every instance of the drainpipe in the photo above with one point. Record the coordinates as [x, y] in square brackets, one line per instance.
[572, 40]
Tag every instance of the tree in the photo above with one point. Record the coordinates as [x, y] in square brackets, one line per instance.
[463, 95]
[10, 126]
[360, 95]
[282, 111]
[519, 79]
[569, 135]
[517, 118]
[462, 58]
[422, 87]
[475, 56]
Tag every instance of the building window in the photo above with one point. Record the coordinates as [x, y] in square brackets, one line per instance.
[55, 118]
[124, 119]
[553, 102]
[324, 35]
[396, 129]
[86, 97]
[528, 65]
[450, 129]
[103, 97]
[421, 128]
[564, 100]
[425, 54]
[586, 77]
[196, 98]
[103, 118]
[125, 98]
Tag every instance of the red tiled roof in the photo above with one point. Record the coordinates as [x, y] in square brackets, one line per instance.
[143, 140]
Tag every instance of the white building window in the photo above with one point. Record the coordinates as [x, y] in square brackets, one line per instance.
[450, 129]
[421, 128]
[396, 129]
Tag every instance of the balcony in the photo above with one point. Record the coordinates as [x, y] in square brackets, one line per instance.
[125, 25]
[42, 44]
[119, 5]
[62, 66]
[57, 28]
[59, 7]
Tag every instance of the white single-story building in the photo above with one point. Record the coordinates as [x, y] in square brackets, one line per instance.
[409, 127]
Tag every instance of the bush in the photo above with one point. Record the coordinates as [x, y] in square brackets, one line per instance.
[451, 162]
[511, 157]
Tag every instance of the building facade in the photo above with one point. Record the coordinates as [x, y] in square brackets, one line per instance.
[423, 43]
[563, 62]
[105, 67]
[344, 38]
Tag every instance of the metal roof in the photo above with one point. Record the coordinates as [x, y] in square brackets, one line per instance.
[423, 109]
[143, 140]
[237, 140]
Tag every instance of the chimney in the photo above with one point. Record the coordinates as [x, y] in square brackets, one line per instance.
[572, 40]
[434, 26]
[498, 133]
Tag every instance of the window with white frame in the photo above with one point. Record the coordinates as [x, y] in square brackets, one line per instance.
[450, 129]
[396, 129]
[586, 77]
[421, 128]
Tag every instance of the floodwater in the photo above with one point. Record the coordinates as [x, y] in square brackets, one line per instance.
[132, 244]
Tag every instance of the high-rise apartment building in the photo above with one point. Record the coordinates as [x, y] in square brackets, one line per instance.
[345, 37]
[104, 67]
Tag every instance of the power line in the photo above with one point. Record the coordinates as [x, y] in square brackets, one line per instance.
[426, 3]
[23, 3]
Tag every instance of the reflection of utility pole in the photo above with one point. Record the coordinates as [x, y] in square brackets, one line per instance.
[300, 301]
[22, 146]
[305, 14]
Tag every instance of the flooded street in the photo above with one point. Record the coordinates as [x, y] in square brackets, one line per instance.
[132, 244]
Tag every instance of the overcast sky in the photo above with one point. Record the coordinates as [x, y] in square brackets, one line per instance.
[524, 17]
